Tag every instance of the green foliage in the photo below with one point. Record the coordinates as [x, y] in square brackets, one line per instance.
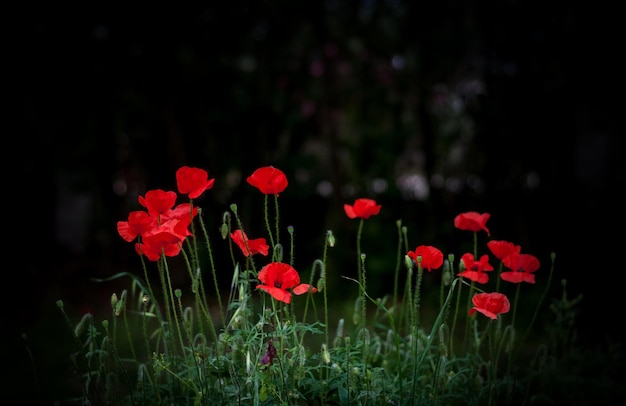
[165, 346]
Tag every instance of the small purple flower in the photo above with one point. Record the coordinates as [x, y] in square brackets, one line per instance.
[269, 354]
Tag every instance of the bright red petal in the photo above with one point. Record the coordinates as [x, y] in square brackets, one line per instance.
[277, 293]
[304, 288]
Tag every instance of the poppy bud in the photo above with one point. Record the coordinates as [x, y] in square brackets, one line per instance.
[325, 354]
[119, 305]
[248, 363]
[330, 238]
[446, 275]
[408, 262]
[224, 231]
[80, 327]
[339, 332]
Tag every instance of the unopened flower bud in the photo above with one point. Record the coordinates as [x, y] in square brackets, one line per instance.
[446, 275]
[325, 354]
[224, 231]
[80, 327]
[356, 315]
[121, 303]
[339, 332]
[408, 262]
[248, 363]
[321, 282]
[330, 238]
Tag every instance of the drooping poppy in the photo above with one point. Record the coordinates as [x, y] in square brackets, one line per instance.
[255, 246]
[472, 221]
[522, 268]
[475, 270]
[269, 180]
[277, 277]
[432, 257]
[501, 248]
[490, 304]
[193, 181]
[362, 208]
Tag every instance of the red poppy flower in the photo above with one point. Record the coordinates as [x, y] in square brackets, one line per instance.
[490, 304]
[432, 258]
[475, 270]
[164, 239]
[139, 222]
[472, 221]
[521, 268]
[181, 211]
[255, 246]
[501, 248]
[193, 181]
[269, 180]
[277, 277]
[158, 201]
[362, 208]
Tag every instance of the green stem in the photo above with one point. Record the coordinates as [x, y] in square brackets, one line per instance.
[456, 313]
[173, 303]
[361, 273]
[213, 271]
[398, 264]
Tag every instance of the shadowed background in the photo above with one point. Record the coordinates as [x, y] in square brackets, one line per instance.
[432, 110]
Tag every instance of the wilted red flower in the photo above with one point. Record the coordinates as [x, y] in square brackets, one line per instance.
[193, 181]
[158, 201]
[362, 208]
[501, 248]
[255, 246]
[472, 221]
[490, 304]
[432, 258]
[269, 180]
[277, 277]
[475, 270]
[521, 268]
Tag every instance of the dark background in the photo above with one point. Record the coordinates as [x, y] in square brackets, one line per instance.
[512, 108]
